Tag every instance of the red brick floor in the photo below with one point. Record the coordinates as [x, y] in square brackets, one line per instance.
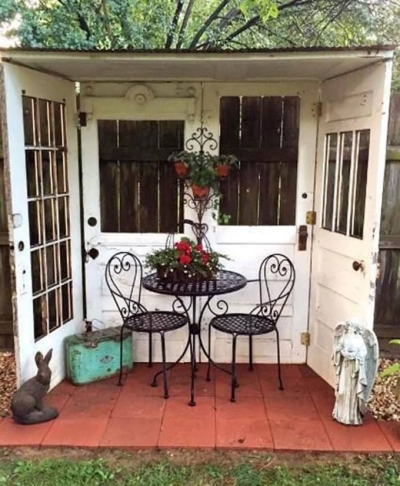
[136, 416]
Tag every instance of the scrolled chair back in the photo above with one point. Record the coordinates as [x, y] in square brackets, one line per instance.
[124, 273]
[276, 279]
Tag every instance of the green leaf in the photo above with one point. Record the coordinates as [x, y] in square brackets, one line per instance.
[395, 341]
[394, 369]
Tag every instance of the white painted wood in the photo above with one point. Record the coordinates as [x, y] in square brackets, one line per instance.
[17, 80]
[338, 292]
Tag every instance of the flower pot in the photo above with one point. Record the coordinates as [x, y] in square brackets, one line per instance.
[222, 171]
[180, 169]
[199, 192]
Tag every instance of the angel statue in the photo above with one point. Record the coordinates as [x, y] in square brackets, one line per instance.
[355, 359]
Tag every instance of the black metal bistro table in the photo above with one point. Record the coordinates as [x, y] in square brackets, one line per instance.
[226, 282]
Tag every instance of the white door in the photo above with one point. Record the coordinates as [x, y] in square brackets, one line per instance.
[350, 169]
[42, 176]
[130, 195]
[274, 127]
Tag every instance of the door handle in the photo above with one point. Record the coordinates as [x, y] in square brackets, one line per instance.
[303, 235]
[357, 265]
[92, 253]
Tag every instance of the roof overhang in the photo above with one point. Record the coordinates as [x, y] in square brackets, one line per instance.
[317, 64]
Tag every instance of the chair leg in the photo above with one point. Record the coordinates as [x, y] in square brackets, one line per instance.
[250, 353]
[279, 360]
[164, 366]
[233, 369]
[150, 350]
[209, 354]
[121, 347]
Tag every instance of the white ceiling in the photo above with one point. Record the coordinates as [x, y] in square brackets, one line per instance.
[199, 66]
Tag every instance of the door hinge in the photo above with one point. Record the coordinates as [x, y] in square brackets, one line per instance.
[305, 338]
[311, 217]
[319, 109]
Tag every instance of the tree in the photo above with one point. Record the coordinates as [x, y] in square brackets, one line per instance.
[199, 24]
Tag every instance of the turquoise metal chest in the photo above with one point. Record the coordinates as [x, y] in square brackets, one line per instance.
[93, 356]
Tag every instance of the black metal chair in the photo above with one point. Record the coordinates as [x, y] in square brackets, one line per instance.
[263, 318]
[124, 273]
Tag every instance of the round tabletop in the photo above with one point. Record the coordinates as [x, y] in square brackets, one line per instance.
[225, 282]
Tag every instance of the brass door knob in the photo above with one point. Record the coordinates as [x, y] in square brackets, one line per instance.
[358, 265]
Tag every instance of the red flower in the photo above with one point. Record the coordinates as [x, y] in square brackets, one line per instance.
[183, 247]
[199, 247]
[205, 257]
[185, 259]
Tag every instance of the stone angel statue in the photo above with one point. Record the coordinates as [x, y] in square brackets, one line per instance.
[355, 359]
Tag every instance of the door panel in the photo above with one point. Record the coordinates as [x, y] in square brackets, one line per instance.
[349, 184]
[41, 166]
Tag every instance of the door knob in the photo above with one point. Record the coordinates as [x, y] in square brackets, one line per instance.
[358, 265]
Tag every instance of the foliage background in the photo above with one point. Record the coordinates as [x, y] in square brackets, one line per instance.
[200, 24]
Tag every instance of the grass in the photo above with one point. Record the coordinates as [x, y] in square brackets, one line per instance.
[222, 469]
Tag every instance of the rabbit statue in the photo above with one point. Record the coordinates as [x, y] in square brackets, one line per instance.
[27, 403]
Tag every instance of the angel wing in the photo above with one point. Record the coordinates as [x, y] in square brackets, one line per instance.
[340, 331]
[371, 360]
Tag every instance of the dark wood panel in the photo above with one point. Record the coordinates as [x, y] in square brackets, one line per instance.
[291, 120]
[3, 209]
[387, 311]
[248, 194]
[390, 217]
[169, 210]
[109, 196]
[287, 206]
[148, 208]
[149, 154]
[264, 155]
[269, 193]
[251, 122]
[129, 197]
[229, 203]
[229, 124]
[272, 123]
[394, 120]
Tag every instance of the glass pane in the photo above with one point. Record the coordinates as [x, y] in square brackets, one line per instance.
[44, 123]
[32, 173]
[62, 186]
[66, 292]
[28, 115]
[63, 219]
[344, 182]
[50, 224]
[64, 260]
[330, 170]
[37, 268]
[47, 171]
[53, 309]
[35, 222]
[58, 124]
[40, 316]
[51, 266]
[360, 182]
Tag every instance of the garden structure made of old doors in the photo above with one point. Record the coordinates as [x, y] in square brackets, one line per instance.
[42, 179]
[132, 197]
[349, 182]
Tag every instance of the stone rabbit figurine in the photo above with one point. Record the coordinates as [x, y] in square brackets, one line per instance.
[27, 403]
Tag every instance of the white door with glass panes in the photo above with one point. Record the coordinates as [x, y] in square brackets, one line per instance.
[349, 182]
[41, 168]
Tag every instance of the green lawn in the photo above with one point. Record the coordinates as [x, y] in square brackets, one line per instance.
[197, 469]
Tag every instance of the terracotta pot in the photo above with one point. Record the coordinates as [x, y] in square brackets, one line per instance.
[200, 192]
[222, 171]
[180, 169]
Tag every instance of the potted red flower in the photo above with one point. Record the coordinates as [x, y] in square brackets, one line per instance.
[181, 161]
[223, 164]
[186, 261]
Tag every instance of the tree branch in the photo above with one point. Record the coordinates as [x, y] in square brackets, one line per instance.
[207, 23]
[83, 25]
[174, 23]
[184, 24]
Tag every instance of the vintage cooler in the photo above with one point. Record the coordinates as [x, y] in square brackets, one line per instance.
[93, 356]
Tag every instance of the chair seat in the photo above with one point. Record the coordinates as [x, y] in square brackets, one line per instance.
[158, 321]
[243, 324]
